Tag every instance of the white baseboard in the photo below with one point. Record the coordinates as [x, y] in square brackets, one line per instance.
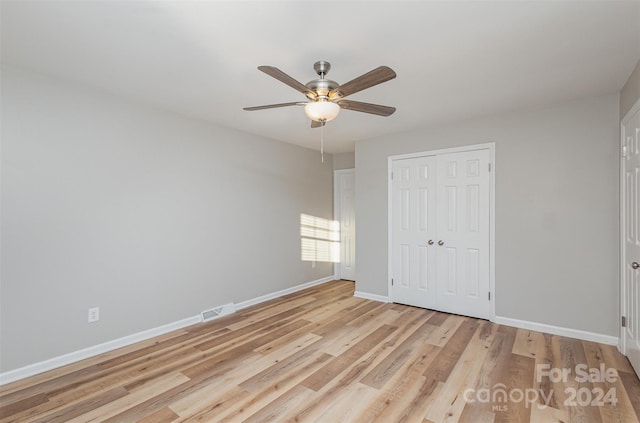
[557, 330]
[374, 297]
[63, 360]
[271, 296]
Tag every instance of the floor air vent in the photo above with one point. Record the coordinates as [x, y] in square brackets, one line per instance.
[222, 310]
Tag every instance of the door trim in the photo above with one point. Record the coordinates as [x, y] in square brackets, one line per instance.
[622, 347]
[491, 146]
[336, 208]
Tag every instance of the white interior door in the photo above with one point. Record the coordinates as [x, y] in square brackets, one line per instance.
[440, 230]
[345, 197]
[413, 223]
[631, 239]
[463, 233]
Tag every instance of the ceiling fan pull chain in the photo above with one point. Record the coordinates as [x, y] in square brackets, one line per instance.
[322, 142]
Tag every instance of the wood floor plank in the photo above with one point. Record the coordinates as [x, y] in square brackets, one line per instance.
[545, 359]
[57, 377]
[152, 401]
[268, 392]
[11, 409]
[164, 415]
[142, 368]
[334, 367]
[451, 401]
[440, 336]
[571, 353]
[490, 375]
[420, 396]
[211, 407]
[391, 365]
[438, 318]
[246, 330]
[351, 335]
[527, 343]
[347, 407]
[119, 406]
[37, 388]
[323, 355]
[406, 389]
[446, 360]
[518, 377]
[273, 411]
[549, 415]
[210, 399]
[228, 357]
[632, 388]
[254, 316]
[144, 352]
[77, 409]
[272, 374]
[623, 410]
[332, 390]
[383, 309]
[334, 318]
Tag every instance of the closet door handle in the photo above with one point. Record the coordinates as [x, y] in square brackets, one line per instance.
[441, 243]
[635, 265]
[430, 242]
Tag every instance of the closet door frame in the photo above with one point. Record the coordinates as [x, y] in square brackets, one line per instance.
[492, 161]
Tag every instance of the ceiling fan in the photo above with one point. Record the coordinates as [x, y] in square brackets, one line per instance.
[326, 97]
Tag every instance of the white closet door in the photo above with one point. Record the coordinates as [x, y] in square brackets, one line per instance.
[413, 222]
[631, 230]
[463, 233]
[440, 217]
[346, 208]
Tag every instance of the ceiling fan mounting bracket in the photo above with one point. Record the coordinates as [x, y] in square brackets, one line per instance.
[322, 68]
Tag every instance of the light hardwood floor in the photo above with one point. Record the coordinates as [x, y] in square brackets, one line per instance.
[322, 355]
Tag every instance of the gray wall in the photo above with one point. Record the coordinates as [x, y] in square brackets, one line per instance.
[344, 161]
[556, 210]
[630, 92]
[150, 216]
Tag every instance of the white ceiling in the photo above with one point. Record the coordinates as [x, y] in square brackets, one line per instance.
[455, 60]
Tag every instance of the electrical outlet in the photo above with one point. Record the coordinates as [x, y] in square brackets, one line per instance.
[94, 314]
[313, 264]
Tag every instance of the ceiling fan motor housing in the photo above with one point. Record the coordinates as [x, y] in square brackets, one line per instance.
[322, 87]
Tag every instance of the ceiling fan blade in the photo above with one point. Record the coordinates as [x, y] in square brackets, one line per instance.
[316, 124]
[283, 77]
[374, 109]
[377, 76]
[273, 106]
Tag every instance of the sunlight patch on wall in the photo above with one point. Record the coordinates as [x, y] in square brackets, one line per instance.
[320, 239]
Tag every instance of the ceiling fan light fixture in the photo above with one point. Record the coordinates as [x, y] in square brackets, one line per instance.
[321, 111]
